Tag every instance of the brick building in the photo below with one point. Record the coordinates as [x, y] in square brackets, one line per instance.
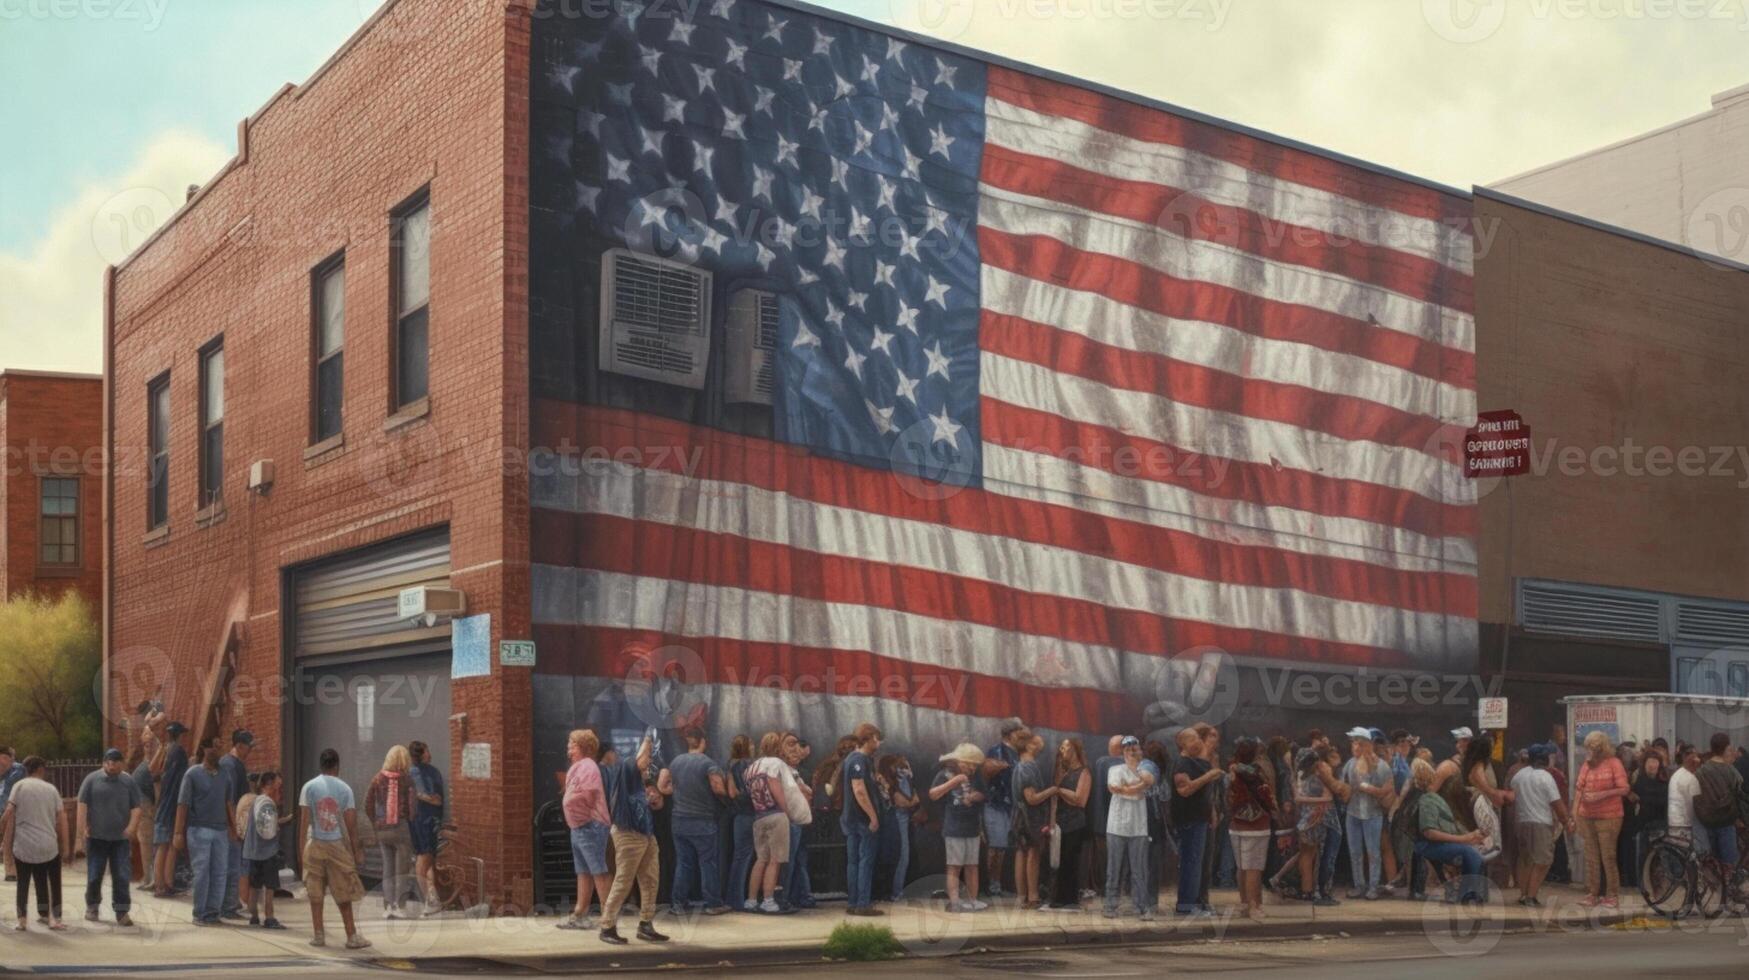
[1620, 563]
[358, 365]
[51, 428]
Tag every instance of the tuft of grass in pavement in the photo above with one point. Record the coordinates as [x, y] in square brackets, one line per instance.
[861, 943]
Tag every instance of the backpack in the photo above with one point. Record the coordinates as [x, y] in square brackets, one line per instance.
[1717, 805]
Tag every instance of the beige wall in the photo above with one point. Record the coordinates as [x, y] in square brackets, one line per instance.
[1598, 339]
[1681, 183]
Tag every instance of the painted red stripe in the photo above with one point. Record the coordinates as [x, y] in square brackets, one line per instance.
[609, 652]
[671, 446]
[613, 544]
[1012, 425]
[1049, 260]
[1189, 216]
[1339, 415]
[1272, 159]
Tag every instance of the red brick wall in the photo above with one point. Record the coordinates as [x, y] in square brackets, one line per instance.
[52, 424]
[431, 93]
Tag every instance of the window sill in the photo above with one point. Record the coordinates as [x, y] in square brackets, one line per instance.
[409, 414]
[210, 515]
[321, 452]
[157, 536]
[58, 571]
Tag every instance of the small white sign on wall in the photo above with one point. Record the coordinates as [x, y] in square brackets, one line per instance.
[477, 760]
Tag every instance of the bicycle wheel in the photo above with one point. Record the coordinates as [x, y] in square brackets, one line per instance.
[1737, 895]
[1665, 879]
[1709, 889]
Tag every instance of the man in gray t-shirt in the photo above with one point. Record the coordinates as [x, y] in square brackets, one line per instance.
[205, 829]
[696, 782]
[109, 812]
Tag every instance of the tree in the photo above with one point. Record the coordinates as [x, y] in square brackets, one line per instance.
[50, 654]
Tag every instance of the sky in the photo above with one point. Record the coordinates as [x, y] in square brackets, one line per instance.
[111, 108]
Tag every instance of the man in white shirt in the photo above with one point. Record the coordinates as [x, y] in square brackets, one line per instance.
[1539, 813]
[1684, 787]
[1126, 830]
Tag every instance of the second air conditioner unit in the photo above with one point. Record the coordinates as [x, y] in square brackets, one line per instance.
[752, 341]
[655, 318]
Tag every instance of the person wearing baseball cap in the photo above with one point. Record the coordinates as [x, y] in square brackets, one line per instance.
[1454, 765]
[1370, 788]
[1539, 816]
[109, 806]
[164, 822]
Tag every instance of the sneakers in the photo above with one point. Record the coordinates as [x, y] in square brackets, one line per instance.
[254, 918]
[750, 905]
[1610, 903]
[1324, 902]
[433, 908]
[318, 940]
[1146, 915]
[647, 932]
[234, 915]
[978, 906]
[716, 910]
[575, 922]
[1389, 891]
[1372, 895]
[994, 891]
[392, 913]
[866, 911]
[961, 906]
[272, 923]
[91, 915]
[611, 936]
[1530, 902]
[125, 921]
[1355, 892]
[355, 941]
[770, 906]
[1589, 902]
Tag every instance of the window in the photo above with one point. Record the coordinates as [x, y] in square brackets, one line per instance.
[328, 305]
[59, 536]
[212, 423]
[412, 299]
[158, 452]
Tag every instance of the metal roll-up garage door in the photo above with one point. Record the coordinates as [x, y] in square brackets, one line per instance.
[367, 680]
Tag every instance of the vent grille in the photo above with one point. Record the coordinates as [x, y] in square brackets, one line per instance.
[763, 380]
[1575, 610]
[1710, 624]
[655, 318]
[657, 296]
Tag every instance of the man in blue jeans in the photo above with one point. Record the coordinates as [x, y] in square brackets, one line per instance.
[861, 821]
[234, 766]
[108, 814]
[696, 783]
[205, 830]
[799, 891]
[1192, 812]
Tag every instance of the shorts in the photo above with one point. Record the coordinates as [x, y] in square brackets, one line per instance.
[998, 827]
[423, 831]
[264, 873]
[589, 848]
[1250, 849]
[771, 838]
[1536, 843]
[161, 834]
[962, 852]
[329, 871]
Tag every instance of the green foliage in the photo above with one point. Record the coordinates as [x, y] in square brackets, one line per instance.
[862, 942]
[50, 657]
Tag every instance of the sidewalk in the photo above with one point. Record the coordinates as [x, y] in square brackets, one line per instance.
[452, 941]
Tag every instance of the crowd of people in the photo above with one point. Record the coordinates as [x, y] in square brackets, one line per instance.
[1022, 816]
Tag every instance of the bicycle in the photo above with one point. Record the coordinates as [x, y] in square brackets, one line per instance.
[1676, 881]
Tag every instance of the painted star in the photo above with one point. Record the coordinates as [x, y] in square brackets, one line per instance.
[907, 388]
[618, 169]
[835, 316]
[895, 47]
[882, 342]
[652, 142]
[792, 70]
[818, 120]
[883, 417]
[822, 42]
[804, 337]
[765, 255]
[888, 192]
[591, 121]
[682, 32]
[702, 157]
[859, 224]
[859, 300]
[762, 179]
[762, 101]
[907, 317]
[884, 273]
[736, 55]
[944, 74]
[706, 78]
[937, 361]
[714, 239]
[918, 96]
[871, 69]
[854, 363]
[908, 245]
[840, 87]
[721, 8]
[774, 28]
[889, 118]
[786, 150]
[936, 293]
[913, 164]
[673, 109]
[619, 94]
[834, 254]
[732, 123]
[565, 75]
[586, 196]
[840, 171]
[811, 203]
[782, 232]
[939, 141]
[946, 429]
[935, 219]
[652, 59]
[726, 210]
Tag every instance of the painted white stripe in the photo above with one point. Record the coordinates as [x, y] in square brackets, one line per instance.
[722, 507]
[1221, 348]
[1053, 479]
[1224, 434]
[689, 609]
[1222, 182]
[1221, 265]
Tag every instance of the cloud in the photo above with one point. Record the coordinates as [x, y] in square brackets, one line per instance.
[51, 295]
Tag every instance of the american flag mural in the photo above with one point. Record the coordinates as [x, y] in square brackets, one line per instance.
[1063, 386]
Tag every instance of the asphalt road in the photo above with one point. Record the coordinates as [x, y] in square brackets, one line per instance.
[1721, 951]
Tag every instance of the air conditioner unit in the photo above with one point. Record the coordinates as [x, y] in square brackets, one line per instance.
[426, 604]
[752, 355]
[655, 318]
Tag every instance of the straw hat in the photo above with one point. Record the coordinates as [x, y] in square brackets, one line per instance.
[965, 752]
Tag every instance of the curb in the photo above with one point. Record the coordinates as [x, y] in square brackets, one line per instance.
[679, 957]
